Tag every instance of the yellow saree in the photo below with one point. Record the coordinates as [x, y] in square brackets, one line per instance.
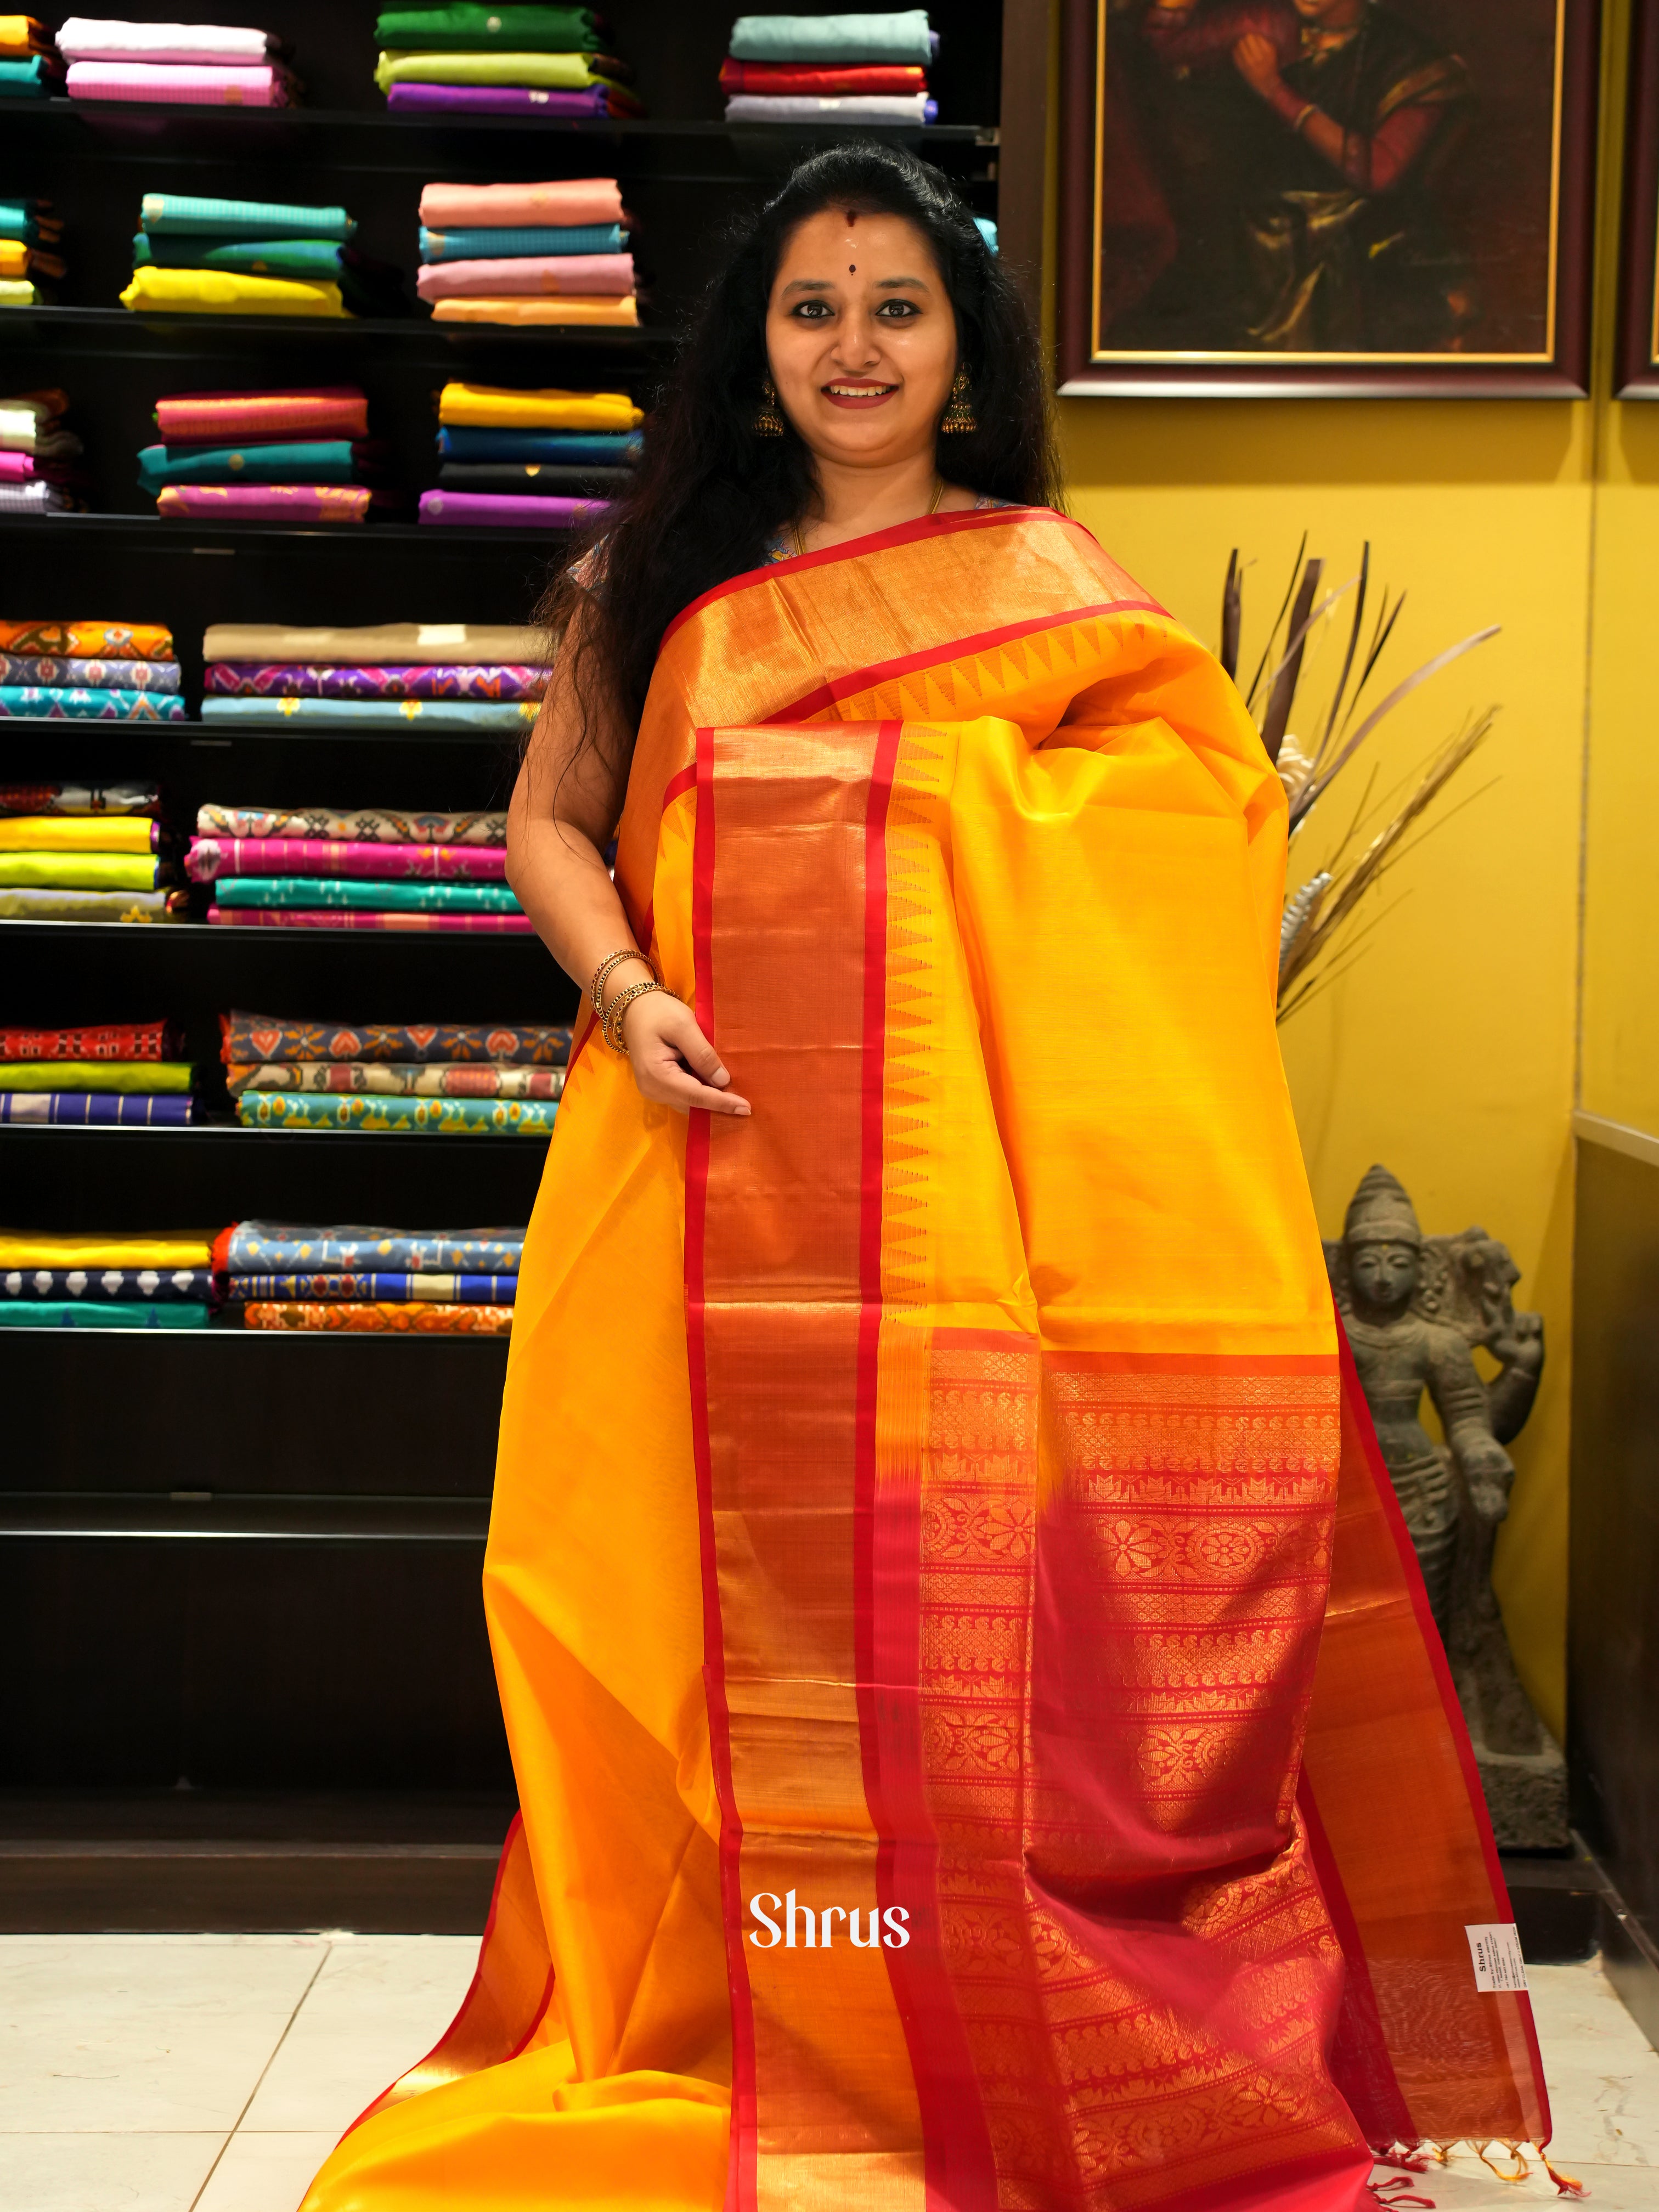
[980, 1737]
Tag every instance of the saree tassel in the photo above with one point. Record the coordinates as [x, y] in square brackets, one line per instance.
[1521, 2169]
[1565, 2185]
[1379, 2191]
[1405, 2161]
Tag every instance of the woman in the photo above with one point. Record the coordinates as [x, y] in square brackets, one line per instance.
[920, 1458]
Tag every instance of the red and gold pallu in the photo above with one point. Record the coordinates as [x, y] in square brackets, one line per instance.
[934, 1505]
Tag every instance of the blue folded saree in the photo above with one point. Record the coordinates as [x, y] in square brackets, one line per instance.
[593, 449]
[377, 713]
[57, 702]
[248, 257]
[182, 215]
[323, 460]
[508, 244]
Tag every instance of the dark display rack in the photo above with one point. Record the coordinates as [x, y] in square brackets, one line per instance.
[239, 1572]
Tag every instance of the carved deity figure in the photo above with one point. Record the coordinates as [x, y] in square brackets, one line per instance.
[1414, 1310]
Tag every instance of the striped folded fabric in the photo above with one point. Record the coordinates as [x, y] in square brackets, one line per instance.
[276, 917]
[96, 1109]
[417, 1319]
[397, 1289]
[90, 1313]
[471, 1117]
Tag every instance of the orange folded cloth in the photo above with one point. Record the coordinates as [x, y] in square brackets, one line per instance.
[525, 310]
[21, 36]
[570, 200]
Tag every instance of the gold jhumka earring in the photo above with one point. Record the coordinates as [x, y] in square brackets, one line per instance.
[959, 411]
[768, 423]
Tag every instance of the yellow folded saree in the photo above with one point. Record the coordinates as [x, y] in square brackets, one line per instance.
[552, 72]
[94, 1075]
[83, 871]
[585, 307]
[73, 833]
[223, 292]
[489, 406]
[975, 1722]
[33, 1248]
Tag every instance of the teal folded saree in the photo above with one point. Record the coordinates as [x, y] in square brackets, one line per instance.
[370, 897]
[321, 461]
[180, 214]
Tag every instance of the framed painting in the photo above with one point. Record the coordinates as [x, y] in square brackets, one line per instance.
[1285, 197]
[1638, 253]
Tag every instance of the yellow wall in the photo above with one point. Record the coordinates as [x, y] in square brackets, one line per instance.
[1450, 1050]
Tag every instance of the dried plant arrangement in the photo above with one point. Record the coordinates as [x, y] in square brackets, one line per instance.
[1318, 939]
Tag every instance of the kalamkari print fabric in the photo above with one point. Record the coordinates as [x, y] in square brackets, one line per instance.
[279, 1037]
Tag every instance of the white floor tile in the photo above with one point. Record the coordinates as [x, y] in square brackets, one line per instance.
[379, 2003]
[90, 2173]
[264, 2172]
[122, 2032]
[1603, 2074]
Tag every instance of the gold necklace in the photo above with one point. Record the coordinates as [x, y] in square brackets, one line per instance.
[932, 509]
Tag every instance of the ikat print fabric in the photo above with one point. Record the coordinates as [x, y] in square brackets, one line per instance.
[376, 898]
[516, 1117]
[377, 1288]
[400, 1320]
[166, 1286]
[56, 702]
[393, 1079]
[276, 1037]
[91, 641]
[212, 857]
[253, 679]
[78, 675]
[250, 1247]
[382, 825]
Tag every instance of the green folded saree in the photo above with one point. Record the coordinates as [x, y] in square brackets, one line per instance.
[94, 1075]
[251, 256]
[553, 72]
[101, 1313]
[80, 871]
[371, 897]
[472, 29]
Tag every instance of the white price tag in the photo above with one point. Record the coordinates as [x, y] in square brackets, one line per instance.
[1495, 1947]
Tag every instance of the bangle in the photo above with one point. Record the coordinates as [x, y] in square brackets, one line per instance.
[1312, 108]
[618, 1008]
[596, 988]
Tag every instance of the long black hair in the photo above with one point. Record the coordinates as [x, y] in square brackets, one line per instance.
[710, 493]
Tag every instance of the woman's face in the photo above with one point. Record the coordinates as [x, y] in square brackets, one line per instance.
[862, 337]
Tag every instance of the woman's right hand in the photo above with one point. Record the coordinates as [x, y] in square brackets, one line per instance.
[673, 1062]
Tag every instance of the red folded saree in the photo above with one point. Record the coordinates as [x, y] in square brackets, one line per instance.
[979, 1733]
[566, 201]
[791, 79]
[229, 418]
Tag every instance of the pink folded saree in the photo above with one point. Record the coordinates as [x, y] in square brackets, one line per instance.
[530, 274]
[289, 917]
[267, 503]
[521, 308]
[187, 83]
[566, 201]
[224, 419]
[508, 508]
[17, 468]
[211, 857]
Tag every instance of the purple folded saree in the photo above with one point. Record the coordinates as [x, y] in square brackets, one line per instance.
[289, 917]
[212, 857]
[510, 99]
[97, 1108]
[509, 509]
[266, 502]
[560, 274]
[229, 679]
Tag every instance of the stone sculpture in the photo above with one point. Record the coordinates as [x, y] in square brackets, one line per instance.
[1415, 1309]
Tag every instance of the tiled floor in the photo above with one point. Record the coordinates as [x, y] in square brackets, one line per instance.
[213, 2073]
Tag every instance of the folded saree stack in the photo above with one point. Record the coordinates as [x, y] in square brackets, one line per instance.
[125, 1074]
[195, 256]
[831, 69]
[487, 1079]
[516, 263]
[191, 64]
[30, 235]
[70, 852]
[38, 455]
[293, 455]
[540, 458]
[440, 1282]
[161, 1280]
[444, 676]
[482, 60]
[31, 66]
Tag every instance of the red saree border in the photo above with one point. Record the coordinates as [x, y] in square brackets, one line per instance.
[878, 541]
[1394, 1521]
[907, 664]
[742, 2171]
